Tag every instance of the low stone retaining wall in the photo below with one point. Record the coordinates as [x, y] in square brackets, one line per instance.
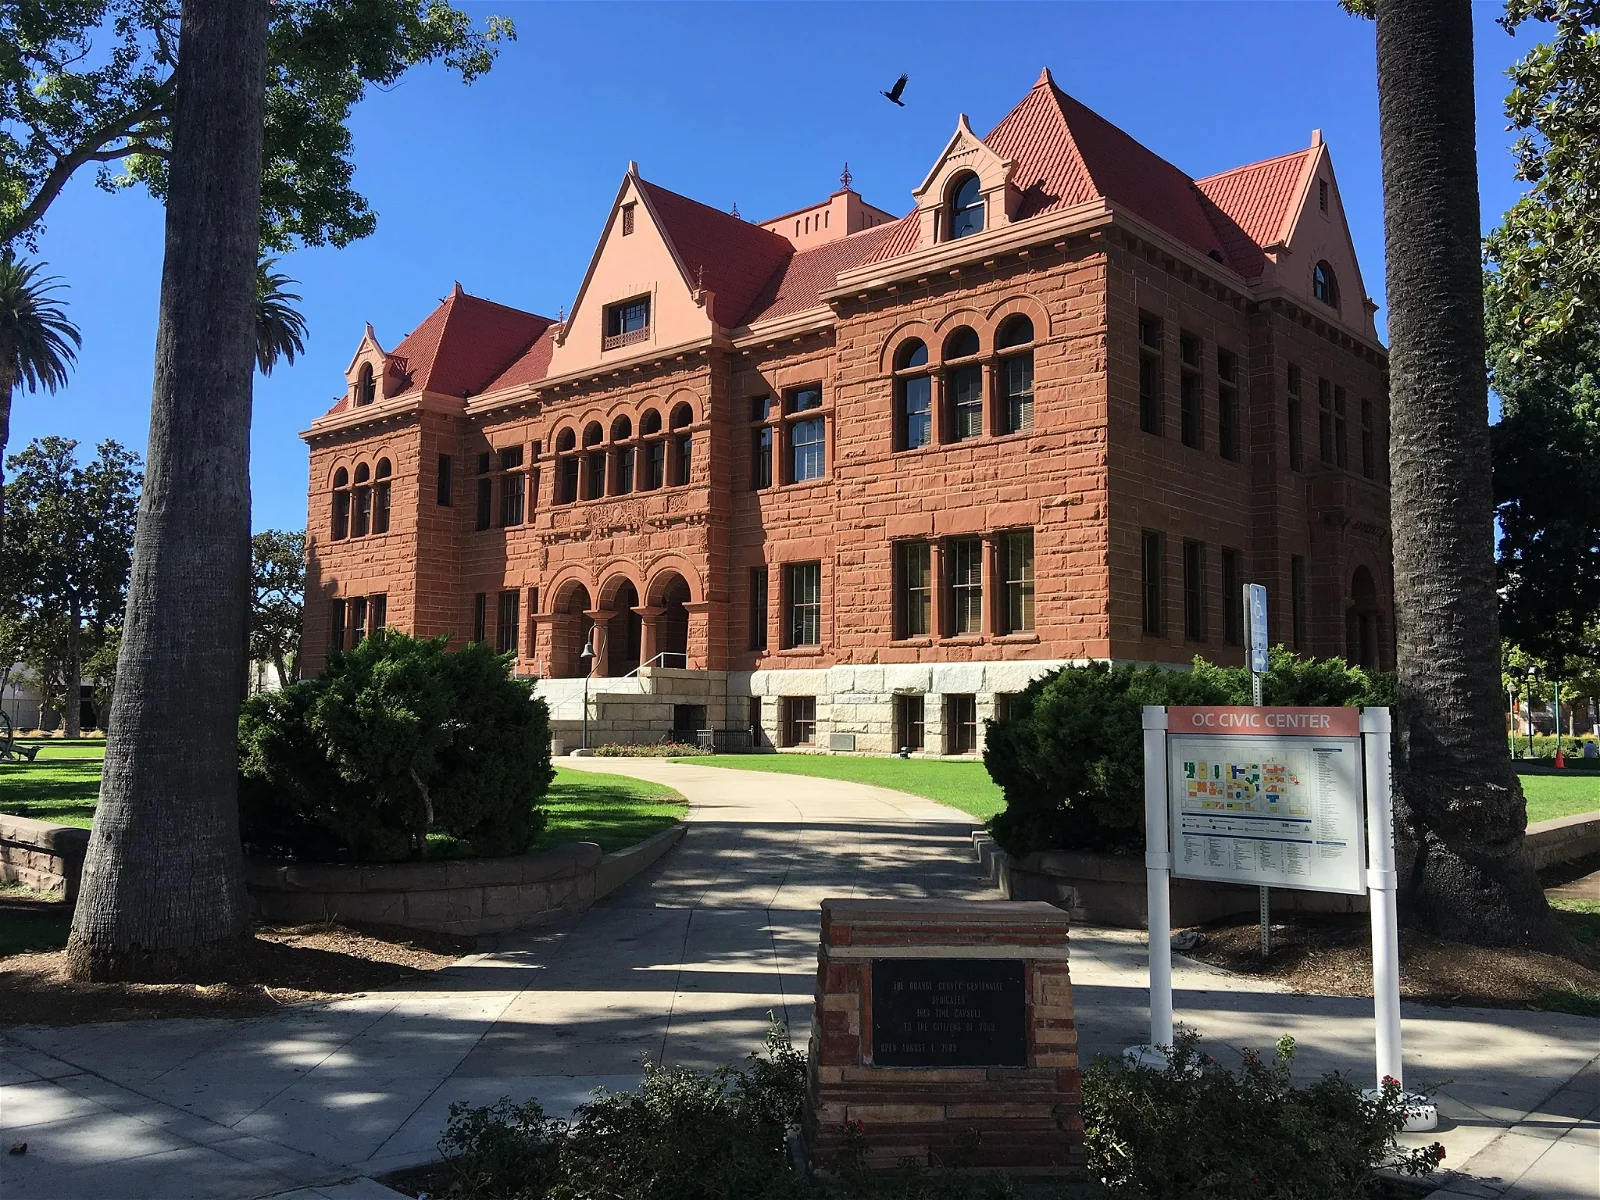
[1105, 890]
[465, 897]
[42, 856]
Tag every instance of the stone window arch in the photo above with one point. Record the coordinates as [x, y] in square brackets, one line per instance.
[965, 206]
[380, 496]
[963, 384]
[594, 461]
[913, 395]
[1325, 285]
[566, 466]
[571, 628]
[682, 444]
[361, 520]
[341, 505]
[653, 452]
[1014, 344]
[623, 454]
[366, 386]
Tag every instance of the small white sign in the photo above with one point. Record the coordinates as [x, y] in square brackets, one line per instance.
[1256, 606]
[1268, 797]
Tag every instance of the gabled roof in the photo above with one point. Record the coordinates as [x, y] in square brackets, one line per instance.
[799, 283]
[726, 255]
[464, 343]
[532, 364]
[1257, 202]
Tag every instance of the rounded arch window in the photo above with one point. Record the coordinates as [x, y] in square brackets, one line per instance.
[341, 478]
[650, 423]
[593, 435]
[366, 385]
[362, 473]
[913, 353]
[380, 496]
[621, 429]
[962, 343]
[594, 462]
[341, 505]
[361, 501]
[1016, 331]
[384, 470]
[966, 206]
[1324, 286]
[681, 416]
[565, 441]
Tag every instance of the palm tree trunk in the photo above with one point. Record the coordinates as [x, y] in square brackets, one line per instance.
[1461, 814]
[7, 383]
[163, 893]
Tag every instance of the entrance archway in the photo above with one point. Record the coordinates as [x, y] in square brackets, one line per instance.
[671, 594]
[1361, 621]
[569, 631]
[624, 628]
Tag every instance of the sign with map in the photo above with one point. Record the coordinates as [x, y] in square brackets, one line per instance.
[1269, 797]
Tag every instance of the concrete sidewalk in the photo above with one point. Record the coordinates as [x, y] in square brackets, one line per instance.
[683, 966]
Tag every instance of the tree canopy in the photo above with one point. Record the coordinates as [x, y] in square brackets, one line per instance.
[277, 601]
[90, 82]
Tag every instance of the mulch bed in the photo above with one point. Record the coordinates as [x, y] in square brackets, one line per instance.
[281, 964]
[1332, 955]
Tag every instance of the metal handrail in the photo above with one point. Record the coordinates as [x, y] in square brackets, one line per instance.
[658, 658]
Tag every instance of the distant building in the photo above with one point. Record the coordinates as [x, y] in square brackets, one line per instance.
[852, 479]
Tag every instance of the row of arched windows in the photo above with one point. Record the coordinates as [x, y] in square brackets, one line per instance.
[965, 394]
[361, 504]
[622, 462]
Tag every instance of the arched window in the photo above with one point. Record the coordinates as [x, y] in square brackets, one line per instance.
[622, 455]
[913, 388]
[341, 504]
[363, 502]
[380, 497]
[655, 452]
[966, 207]
[1362, 647]
[1015, 344]
[566, 467]
[1324, 286]
[366, 385]
[682, 445]
[594, 462]
[963, 385]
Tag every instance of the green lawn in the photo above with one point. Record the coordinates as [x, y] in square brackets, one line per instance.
[1551, 796]
[62, 785]
[963, 785]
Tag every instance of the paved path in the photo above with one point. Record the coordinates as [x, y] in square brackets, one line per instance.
[683, 966]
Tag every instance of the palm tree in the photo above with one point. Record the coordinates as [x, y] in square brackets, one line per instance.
[163, 891]
[1460, 820]
[280, 329]
[38, 343]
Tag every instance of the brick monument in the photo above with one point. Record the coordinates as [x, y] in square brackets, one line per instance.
[945, 1029]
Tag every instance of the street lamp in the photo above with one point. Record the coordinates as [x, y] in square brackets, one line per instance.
[586, 656]
[1532, 673]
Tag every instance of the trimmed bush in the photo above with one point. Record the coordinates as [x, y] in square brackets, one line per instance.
[651, 750]
[1070, 756]
[1544, 747]
[396, 740]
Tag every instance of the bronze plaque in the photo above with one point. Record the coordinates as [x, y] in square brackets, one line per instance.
[949, 1012]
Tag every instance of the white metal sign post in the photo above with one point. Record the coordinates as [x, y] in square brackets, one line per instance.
[1274, 795]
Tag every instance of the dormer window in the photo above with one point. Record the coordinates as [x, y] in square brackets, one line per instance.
[366, 386]
[626, 323]
[1324, 286]
[966, 207]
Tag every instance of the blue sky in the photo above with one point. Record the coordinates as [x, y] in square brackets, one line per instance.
[503, 185]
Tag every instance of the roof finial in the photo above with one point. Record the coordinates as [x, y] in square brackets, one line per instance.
[456, 291]
[700, 277]
[845, 178]
[1044, 78]
[734, 211]
[633, 168]
[561, 314]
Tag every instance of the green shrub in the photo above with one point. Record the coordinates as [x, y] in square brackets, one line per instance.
[1544, 746]
[1197, 1131]
[1070, 754]
[395, 740]
[650, 750]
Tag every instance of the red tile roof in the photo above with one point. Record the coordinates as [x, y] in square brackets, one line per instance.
[465, 343]
[1254, 203]
[723, 253]
[533, 364]
[800, 282]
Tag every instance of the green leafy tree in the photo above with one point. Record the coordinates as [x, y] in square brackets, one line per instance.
[278, 596]
[37, 342]
[1542, 312]
[280, 329]
[69, 552]
[91, 83]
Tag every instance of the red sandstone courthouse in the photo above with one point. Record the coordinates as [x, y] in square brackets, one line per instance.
[850, 480]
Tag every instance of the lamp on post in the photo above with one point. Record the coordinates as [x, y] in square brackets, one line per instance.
[586, 656]
[1532, 673]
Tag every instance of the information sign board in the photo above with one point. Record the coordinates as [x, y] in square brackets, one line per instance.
[1256, 607]
[1267, 797]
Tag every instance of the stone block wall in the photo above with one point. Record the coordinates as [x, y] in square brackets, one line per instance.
[45, 857]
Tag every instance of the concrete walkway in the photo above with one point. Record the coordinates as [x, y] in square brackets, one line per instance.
[683, 966]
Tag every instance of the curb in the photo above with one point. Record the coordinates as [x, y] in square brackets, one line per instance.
[621, 866]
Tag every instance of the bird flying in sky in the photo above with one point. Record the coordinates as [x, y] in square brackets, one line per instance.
[894, 92]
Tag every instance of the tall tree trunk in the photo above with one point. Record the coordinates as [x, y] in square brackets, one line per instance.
[72, 708]
[1461, 814]
[8, 382]
[280, 667]
[163, 889]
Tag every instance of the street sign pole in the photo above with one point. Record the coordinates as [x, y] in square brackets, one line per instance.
[1255, 604]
